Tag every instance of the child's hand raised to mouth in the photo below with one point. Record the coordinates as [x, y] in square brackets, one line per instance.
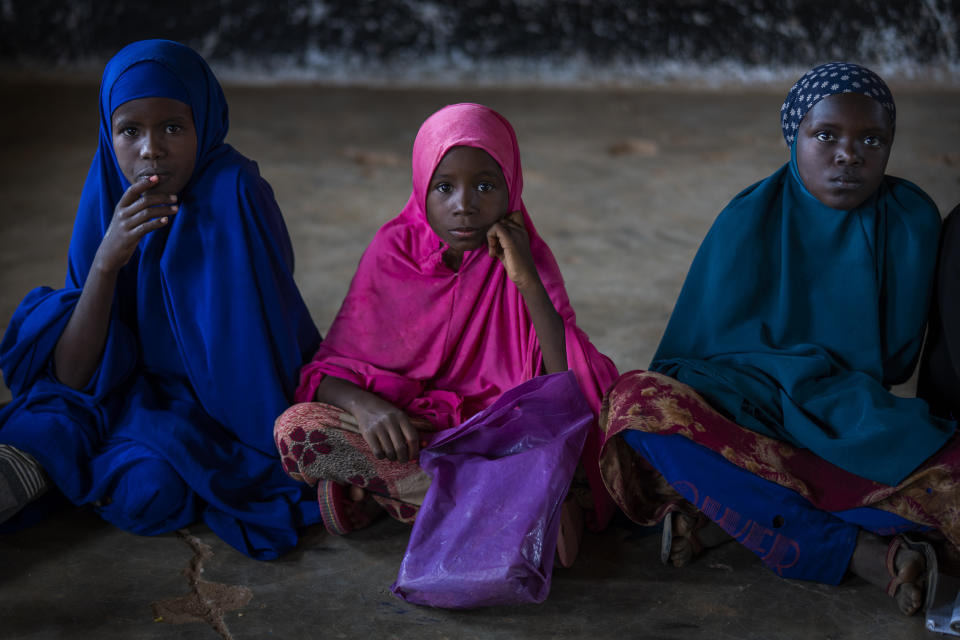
[137, 214]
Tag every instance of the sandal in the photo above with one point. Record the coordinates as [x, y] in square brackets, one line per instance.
[340, 514]
[666, 539]
[928, 579]
[571, 533]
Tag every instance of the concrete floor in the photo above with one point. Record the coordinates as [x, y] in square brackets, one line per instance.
[622, 184]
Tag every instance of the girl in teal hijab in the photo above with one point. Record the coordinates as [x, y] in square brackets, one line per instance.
[806, 302]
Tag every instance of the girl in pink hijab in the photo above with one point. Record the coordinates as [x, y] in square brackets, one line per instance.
[455, 301]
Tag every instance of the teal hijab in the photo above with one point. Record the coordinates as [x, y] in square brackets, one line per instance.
[796, 318]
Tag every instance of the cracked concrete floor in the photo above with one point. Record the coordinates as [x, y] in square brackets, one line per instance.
[622, 184]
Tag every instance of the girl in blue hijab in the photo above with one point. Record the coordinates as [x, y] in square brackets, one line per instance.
[767, 407]
[147, 386]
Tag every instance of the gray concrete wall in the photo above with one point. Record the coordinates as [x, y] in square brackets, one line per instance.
[491, 42]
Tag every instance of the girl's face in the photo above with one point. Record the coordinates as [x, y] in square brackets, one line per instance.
[842, 149]
[466, 196]
[155, 136]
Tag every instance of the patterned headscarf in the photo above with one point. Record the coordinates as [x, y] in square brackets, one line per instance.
[827, 80]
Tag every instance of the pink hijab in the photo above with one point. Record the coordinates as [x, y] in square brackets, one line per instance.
[443, 344]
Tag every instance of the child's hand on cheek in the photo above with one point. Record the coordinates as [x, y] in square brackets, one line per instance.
[136, 215]
[509, 242]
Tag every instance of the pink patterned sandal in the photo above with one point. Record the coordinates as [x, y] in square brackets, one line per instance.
[340, 514]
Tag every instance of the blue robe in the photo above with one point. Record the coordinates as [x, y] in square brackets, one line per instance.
[206, 337]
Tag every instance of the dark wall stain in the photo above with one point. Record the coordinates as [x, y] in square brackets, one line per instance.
[425, 39]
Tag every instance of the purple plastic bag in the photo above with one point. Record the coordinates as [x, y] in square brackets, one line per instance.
[487, 531]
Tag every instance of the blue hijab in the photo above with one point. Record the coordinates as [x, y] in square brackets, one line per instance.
[796, 318]
[207, 334]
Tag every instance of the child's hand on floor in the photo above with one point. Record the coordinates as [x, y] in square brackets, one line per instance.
[136, 215]
[509, 242]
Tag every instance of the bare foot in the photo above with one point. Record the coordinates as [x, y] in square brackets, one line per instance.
[691, 535]
[571, 533]
[869, 561]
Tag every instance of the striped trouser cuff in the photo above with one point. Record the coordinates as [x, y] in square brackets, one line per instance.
[22, 480]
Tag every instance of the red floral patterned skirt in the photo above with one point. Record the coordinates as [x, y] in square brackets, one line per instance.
[656, 403]
[319, 441]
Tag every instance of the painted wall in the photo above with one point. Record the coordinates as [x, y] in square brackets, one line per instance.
[489, 42]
